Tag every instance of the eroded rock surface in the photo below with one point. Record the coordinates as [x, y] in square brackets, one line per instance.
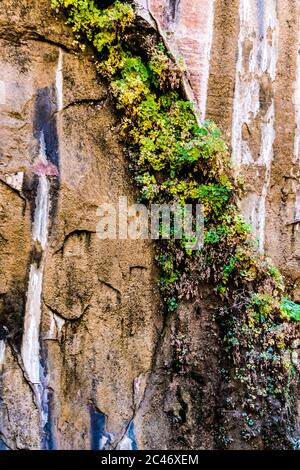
[100, 314]
[112, 372]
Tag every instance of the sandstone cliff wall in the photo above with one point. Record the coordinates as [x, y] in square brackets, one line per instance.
[86, 359]
[96, 327]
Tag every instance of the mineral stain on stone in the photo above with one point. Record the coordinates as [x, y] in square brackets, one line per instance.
[12, 313]
[3, 446]
[260, 6]
[49, 101]
[47, 105]
[129, 440]
[173, 9]
[48, 438]
[100, 439]
[45, 122]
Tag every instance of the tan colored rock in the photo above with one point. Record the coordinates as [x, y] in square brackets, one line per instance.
[18, 409]
[188, 26]
[183, 391]
[100, 309]
[106, 354]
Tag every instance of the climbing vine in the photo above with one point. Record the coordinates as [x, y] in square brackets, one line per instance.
[173, 159]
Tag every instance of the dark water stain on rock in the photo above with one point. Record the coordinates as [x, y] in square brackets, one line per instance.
[12, 307]
[100, 439]
[3, 332]
[48, 441]
[3, 446]
[130, 434]
[29, 189]
[45, 126]
[173, 10]
[45, 122]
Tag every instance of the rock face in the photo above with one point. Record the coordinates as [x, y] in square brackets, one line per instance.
[86, 358]
[87, 309]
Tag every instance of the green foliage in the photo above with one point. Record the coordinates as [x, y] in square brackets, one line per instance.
[290, 310]
[175, 160]
[261, 306]
[101, 27]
